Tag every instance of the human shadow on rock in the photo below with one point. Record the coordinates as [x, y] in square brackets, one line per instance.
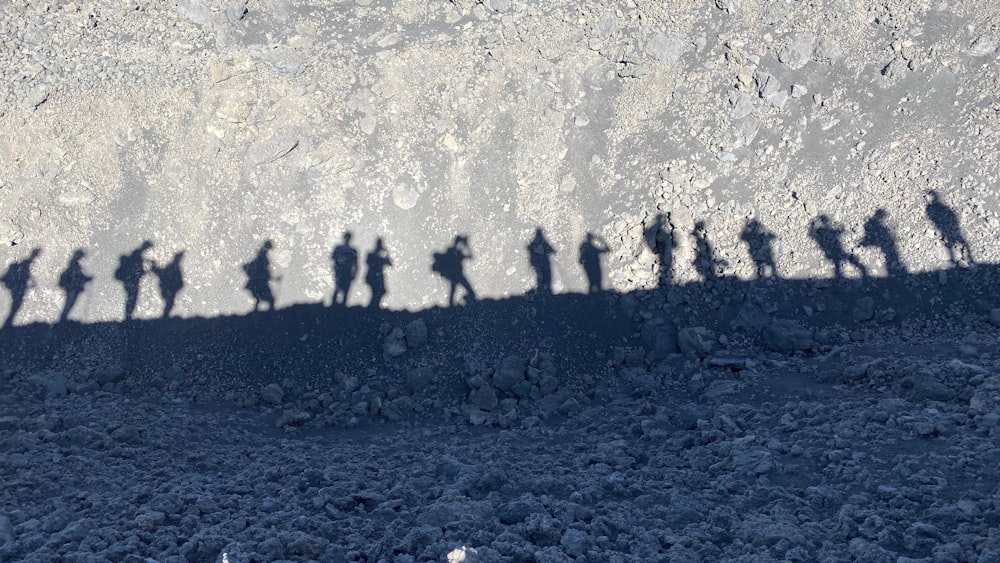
[878, 235]
[377, 261]
[593, 333]
[73, 280]
[949, 231]
[345, 269]
[660, 239]
[827, 236]
[706, 263]
[130, 271]
[759, 245]
[450, 265]
[592, 249]
[171, 280]
[539, 257]
[258, 272]
[17, 280]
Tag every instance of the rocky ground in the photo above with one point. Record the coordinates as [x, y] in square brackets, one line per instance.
[795, 217]
[873, 452]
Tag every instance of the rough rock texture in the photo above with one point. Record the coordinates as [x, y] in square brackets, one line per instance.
[766, 461]
[695, 340]
[784, 335]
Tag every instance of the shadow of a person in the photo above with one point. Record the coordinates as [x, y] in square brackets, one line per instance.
[258, 273]
[827, 236]
[591, 249]
[345, 269]
[449, 265]
[539, 251]
[949, 231]
[879, 235]
[171, 282]
[705, 262]
[73, 281]
[377, 261]
[758, 240]
[131, 269]
[17, 280]
[660, 239]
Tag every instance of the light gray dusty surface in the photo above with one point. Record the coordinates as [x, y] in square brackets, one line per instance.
[209, 127]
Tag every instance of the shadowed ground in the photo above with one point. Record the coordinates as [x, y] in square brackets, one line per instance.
[310, 344]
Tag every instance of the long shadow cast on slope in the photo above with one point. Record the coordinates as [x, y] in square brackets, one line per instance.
[313, 345]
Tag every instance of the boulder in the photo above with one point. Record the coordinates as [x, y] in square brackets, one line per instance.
[660, 340]
[696, 340]
[273, 394]
[485, 398]
[53, 384]
[416, 333]
[511, 370]
[784, 335]
[394, 344]
[864, 309]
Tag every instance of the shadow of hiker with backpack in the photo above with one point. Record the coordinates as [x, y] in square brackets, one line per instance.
[539, 252]
[659, 237]
[878, 235]
[591, 250]
[759, 244]
[949, 231]
[131, 269]
[73, 281]
[827, 236]
[377, 261]
[448, 264]
[171, 282]
[258, 273]
[17, 279]
[345, 269]
[706, 263]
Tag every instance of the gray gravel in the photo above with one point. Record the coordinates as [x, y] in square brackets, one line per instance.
[876, 452]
